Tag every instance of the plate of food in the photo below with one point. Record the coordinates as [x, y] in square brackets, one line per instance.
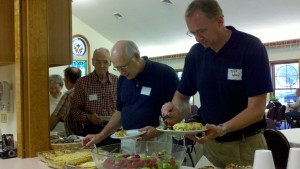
[183, 128]
[126, 134]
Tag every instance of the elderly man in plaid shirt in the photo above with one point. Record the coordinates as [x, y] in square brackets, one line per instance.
[95, 96]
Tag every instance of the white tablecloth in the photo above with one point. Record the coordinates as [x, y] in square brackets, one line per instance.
[293, 136]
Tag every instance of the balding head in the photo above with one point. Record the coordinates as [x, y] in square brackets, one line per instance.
[101, 61]
[125, 56]
[101, 51]
[124, 48]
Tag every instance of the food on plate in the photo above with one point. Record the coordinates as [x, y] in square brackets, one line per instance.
[121, 133]
[235, 166]
[159, 160]
[167, 125]
[188, 126]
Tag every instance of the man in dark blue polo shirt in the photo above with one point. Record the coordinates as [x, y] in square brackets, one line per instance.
[143, 87]
[230, 70]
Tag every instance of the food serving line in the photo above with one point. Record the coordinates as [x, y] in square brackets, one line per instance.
[36, 163]
[33, 163]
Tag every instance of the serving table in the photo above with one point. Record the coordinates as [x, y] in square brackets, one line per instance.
[33, 163]
[293, 136]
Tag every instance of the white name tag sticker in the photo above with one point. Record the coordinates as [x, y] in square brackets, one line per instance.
[93, 97]
[234, 74]
[146, 91]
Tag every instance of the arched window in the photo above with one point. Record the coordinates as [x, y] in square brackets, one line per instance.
[81, 54]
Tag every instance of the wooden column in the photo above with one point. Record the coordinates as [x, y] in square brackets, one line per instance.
[32, 96]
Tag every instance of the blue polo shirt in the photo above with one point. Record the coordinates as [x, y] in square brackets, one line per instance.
[140, 99]
[227, 78]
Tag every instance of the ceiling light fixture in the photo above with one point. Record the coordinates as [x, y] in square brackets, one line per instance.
[169, 2]
[118, 15]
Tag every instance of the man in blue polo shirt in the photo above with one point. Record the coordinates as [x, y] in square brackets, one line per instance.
[230, 70]
[143, 87]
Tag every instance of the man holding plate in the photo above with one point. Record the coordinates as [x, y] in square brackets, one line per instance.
[230, 70]
[143, 87]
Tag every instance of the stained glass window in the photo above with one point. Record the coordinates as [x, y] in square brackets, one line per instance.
[82, 65]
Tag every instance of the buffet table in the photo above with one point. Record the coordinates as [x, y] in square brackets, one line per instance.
[293, 136]
[33, 163]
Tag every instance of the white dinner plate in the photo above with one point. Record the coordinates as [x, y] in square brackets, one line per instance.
[129, 134]
[179, 132]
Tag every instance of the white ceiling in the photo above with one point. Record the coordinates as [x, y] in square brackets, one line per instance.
[160, 29]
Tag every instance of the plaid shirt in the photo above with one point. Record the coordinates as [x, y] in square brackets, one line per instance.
[62, 111]
[91, 96]
[64, 105]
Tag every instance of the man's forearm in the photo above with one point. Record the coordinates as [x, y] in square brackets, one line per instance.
[113, 124]
[182, 104]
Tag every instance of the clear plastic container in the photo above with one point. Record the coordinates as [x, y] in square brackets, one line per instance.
[141, 154]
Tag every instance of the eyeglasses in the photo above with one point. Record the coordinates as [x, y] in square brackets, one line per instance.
[123, 68]
[201, 31]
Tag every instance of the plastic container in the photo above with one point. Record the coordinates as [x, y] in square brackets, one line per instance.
[141, 154]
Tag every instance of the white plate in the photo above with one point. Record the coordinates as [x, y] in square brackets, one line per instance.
[129, 134]
[179, 132]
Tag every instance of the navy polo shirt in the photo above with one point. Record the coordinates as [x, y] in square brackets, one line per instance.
[227, 78]
[140, 99]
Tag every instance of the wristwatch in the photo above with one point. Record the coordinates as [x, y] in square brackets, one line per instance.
[223, 128]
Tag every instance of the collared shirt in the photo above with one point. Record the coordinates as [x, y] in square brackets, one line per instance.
[92, 96]
[227, 78]
[62, 111]
[140, 99]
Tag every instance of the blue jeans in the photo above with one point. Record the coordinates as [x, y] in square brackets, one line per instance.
[290, 115]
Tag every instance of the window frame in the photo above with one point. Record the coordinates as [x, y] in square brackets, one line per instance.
[272, 69]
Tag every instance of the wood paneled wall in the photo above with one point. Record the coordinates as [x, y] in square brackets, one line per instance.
[31, 50]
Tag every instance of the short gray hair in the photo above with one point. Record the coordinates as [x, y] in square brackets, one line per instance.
[101, 50]
[210, 8]
[131, 48]
[56, 79]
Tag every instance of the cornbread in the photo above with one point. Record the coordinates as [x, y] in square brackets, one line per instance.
[59, 158]
[188, 126]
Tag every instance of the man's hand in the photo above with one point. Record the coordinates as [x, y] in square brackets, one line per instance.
[151, 132]
[170, 112]
[94, 119]
[212, 132]
[90, 140]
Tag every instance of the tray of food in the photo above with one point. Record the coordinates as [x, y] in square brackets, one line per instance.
[53, 153]
[60, 159]
[70, 142]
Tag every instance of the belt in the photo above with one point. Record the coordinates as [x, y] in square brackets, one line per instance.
[237, 137]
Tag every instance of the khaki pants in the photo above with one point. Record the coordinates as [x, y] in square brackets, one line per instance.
[238, 152]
